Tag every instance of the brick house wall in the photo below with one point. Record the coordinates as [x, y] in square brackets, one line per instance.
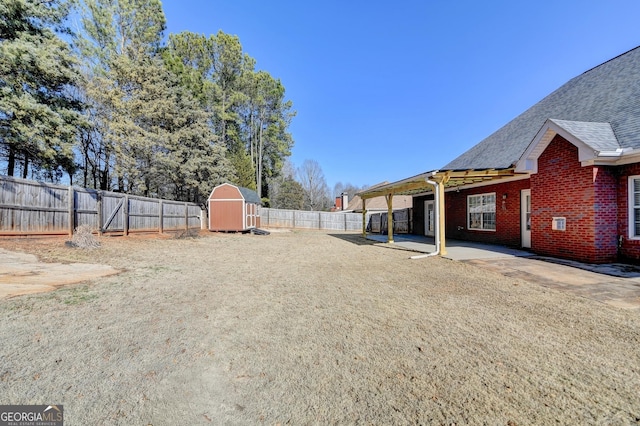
[585, 196]
[629, 248]
[507, 214]
[418, 213]
[592, 199]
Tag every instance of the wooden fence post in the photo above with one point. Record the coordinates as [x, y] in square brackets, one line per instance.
[100, 213]
[186, 216]
[161, 218]
[72, 208]
[125, 207]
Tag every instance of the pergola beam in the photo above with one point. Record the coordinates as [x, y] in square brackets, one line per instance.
[451, 178]
[409, 186]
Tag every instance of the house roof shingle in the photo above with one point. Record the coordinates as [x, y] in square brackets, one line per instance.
[608, 93]
[599, 136]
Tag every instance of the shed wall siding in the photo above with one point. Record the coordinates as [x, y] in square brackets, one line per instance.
[564, 188]
[226, 215]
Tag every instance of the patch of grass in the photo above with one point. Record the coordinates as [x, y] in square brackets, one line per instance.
[187, 234]
[78, 295]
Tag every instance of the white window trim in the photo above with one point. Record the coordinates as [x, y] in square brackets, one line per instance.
[631, 208]
[495, 212]
[559, 224]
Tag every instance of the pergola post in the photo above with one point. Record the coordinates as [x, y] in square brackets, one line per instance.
[389, 198]
[441, 210]
[364, 219]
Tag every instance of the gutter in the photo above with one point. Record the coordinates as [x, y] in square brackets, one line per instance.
[437, 222]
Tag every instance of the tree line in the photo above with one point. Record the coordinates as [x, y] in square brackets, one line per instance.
[113, 105]
[305, 188]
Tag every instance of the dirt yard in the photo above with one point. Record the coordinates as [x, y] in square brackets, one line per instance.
[310, 328]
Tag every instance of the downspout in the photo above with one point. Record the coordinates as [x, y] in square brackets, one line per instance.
[437, 222]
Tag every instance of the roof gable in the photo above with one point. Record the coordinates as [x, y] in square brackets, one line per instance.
[593, 140]
[249, 195]
[608, 93]
[597, 136]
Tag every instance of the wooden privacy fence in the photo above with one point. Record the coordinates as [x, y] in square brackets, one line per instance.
[334, 221]
[402, 222]
[30, 207]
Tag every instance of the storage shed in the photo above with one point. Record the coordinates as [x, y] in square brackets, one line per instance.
[233, 208]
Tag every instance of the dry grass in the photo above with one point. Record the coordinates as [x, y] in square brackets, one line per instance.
[311, 328]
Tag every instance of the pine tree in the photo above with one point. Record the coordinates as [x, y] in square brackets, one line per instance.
[39, 119]
[244, 169]
[290, 195]
[118, 38]
[248, 109]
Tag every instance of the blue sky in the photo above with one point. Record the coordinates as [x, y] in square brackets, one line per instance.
[387, 90]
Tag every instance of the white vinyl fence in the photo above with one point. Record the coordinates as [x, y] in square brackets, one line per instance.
[332, 221]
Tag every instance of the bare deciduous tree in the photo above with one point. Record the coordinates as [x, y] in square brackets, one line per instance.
[311, 177]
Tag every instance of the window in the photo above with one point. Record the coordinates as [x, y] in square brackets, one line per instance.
[481, 212]
[634, 207]
[559, 223]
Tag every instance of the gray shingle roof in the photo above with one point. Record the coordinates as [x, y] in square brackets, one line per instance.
[598, 136]
[250, 196]
[608, 93]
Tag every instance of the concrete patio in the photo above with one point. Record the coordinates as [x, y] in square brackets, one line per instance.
[614, 284]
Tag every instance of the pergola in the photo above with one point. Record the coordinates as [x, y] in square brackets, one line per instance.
[434, 181]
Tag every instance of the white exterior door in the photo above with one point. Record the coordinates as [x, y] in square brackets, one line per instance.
[429, 218]
[525, 217]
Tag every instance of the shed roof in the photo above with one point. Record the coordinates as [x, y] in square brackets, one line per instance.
[250, 196]
[606, 94]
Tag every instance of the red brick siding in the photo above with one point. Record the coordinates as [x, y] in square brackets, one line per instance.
[630, 248]
[418, 213]
[564, 188]
[507, 214]
[606, 212]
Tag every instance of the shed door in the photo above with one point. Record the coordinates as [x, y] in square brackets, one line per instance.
[525, 217]
[251, 215]
[429, 218]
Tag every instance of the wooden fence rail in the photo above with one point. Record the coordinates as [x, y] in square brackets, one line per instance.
[332, 221]
[30, 207]
[402, 222]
